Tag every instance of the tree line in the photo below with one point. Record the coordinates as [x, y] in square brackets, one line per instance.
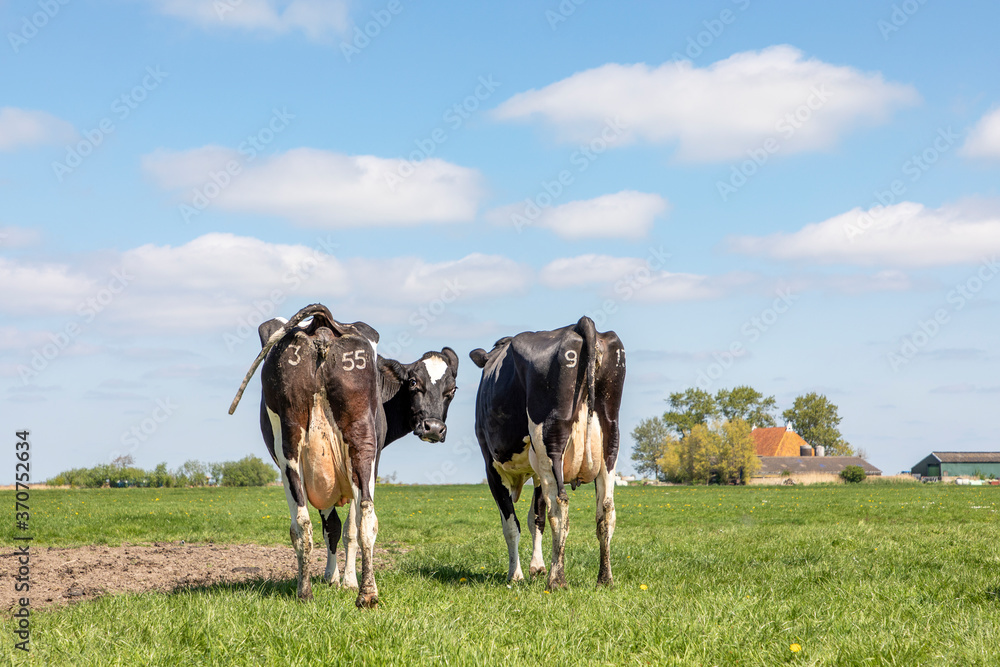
[122, 472]
[705, 438]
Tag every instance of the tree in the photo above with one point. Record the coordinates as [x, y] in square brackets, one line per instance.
[688, 408]
[248, 471]
[747, 404]
[815, 418]
[722, 452]
[650, 437]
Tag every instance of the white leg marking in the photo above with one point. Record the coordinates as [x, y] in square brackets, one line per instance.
[368, 529]
[558, 510]
[301, 526]
[512, 535]
[605, 496]
[537, 564]
[351, 544]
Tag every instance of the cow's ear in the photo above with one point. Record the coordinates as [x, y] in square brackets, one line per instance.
[478, 357]
[452, 358]
[267, 329]
[393, 375]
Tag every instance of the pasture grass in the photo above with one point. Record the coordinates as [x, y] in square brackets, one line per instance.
[893, 574]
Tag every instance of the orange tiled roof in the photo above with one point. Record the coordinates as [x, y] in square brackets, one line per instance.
[777, 441]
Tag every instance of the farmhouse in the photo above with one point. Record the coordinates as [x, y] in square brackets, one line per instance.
[783, 452]
[780, 441]
[958, 464]
[777, 466]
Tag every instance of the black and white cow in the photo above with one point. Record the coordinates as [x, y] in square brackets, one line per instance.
[547, 409]
[329, 405]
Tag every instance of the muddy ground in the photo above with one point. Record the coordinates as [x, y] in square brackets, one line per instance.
[61, 576]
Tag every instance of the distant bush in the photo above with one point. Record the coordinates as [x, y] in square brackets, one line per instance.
[249, 471]
[853, 474]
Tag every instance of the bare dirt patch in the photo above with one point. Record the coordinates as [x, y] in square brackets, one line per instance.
[61, 576]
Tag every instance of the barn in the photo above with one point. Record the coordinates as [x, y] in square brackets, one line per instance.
[958, 464]
[779, 466]
[780, 441]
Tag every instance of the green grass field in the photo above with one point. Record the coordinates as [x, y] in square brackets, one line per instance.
[872, 574]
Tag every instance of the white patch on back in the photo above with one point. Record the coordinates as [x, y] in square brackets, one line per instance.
[436, 368]
[282, 320]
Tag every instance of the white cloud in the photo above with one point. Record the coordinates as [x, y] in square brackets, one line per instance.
[316, 18]
[23, 127]
[325, 189]
[984, 138]
[717, 112]
[627, 214]
[630, 278]
[215, 281]
[904, 234]
[18, 237]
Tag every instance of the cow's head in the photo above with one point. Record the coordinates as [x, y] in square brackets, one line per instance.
[428, 385]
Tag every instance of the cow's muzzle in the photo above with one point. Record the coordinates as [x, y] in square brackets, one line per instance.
[431, 430]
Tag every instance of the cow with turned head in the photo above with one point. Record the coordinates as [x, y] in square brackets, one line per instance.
[329, 405]
[547, 409]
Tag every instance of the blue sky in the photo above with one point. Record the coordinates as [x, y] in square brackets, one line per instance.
[810, 185]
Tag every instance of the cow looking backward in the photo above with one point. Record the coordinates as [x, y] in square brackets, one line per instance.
[329, 404]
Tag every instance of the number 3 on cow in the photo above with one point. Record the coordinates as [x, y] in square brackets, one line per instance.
[571, 358]
[357, 361]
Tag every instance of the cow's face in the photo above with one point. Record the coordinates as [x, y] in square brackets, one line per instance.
[431, 383]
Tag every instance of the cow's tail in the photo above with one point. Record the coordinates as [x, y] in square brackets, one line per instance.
[588, 359]
[312, 310]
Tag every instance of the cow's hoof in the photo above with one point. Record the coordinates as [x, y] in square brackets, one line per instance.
[556, 583]
[367, 601]
[517, 576]
[605, 582]
[305, 596]
[349, 584]
[537, 571]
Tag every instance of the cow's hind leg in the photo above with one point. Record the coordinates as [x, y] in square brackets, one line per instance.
[291, 478]
[508, 521]
[351, 545]
[549, 470]
[331, 533]
[605, 495]
[536, 524]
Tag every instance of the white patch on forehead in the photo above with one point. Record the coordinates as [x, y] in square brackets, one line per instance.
[436, 368]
